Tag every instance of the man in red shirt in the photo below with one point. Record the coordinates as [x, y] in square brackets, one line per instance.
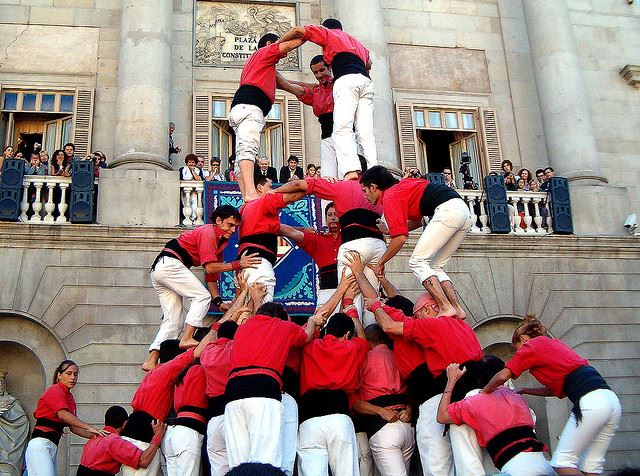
[173, 281]
[352, 91]
[320, 98]
[404, 204]
[252, 103]
[107, 454]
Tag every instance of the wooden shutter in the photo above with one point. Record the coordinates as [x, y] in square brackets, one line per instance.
[491, 139]
[202, 125]
[294, 129]
[82, 121]
[407, 135]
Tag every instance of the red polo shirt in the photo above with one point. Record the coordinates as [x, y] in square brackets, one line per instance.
[548, 360]
[204, 244]
[155, 393]
[108, 453]
[379, 375]
[319, 97]
[262, 345]
[260, 69]
[403, 204]
[334, 42]
[445, 340]
[322, 247]
[216, 362]
[408, 355]
[346, 194]
[332, 364]
[57, 397]
[261, 216]
[192, 391]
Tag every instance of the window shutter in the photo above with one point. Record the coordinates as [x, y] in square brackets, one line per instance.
[202, 122]
[491, 139]
[407, 135]
[82, 121]
[294, 129]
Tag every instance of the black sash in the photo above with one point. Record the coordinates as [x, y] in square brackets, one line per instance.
[359, 223]
[347, 63]
[138, 426]
[173, 250]
[435, 194]
[329, 276]
[248, 94]
[371, 424]
[216, 406]
[508, 443]
[266, 246]
[52, 436]
[422, 385]
[316, 403]
[581, 381]
[195, 425]
[326, 124]
[57, 426]
[84, 471]
[255, 385]
[290, 382]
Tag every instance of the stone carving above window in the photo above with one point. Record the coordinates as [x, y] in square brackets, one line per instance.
[227, 33]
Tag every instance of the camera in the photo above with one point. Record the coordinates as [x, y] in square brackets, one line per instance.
[467, 178]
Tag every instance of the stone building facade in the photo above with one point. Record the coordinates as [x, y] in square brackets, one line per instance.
[536, 82]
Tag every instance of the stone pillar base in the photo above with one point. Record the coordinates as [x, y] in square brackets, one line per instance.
[140, 161]
[599, 210]
[148, 197]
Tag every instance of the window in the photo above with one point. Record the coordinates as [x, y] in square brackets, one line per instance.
[37, 101]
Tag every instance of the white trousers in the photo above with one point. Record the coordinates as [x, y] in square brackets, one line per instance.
[440, 239]
[365, 458]
[151, 470]
[247, 121]
[182, 448]
[353, 105]
[173, 281]
[40, 457]
[370, 250]
[327, 441]
[467, 454]
[434, 448]
[392, 447]
[263, 274]
[216, 446]
[584, 445]
[252, 429]
[528, 464]
[328, 163]
[289, 433]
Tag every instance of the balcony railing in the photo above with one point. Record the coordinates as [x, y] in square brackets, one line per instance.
[44, 199]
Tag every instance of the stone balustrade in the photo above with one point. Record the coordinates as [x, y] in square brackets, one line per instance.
[45, 199]
[192, 204]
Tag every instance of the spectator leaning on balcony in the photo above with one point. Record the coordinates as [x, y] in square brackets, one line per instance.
[35, 167]
[230, 173]
[59, 165]
[448, 178]
[70, 152]
[548, 173]
[215, 170]
[44, 160]
[99, 162]
[510, 180]
[190, 171]
[204, 173]
[291, 171]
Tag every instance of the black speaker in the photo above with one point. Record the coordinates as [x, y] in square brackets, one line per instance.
[561, 219]
[11, 189]
[435, 177]
[497, 208]
[81, 206]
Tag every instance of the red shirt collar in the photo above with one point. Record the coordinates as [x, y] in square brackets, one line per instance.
[220, 238]
[110, 429]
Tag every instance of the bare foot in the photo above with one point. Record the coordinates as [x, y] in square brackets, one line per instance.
[188, 343]
[150, 363]
[250, 198]
[447, 311]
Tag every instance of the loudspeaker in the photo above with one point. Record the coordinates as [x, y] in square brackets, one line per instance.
[561, 218]
[497, 208]
[81, 206]
[435, 177]
[11, 189]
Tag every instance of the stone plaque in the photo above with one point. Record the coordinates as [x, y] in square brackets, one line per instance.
[227, 33]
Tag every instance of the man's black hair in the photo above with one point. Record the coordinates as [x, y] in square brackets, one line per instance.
[317, 59]
[480, 372]
[402, 304]
[332, 24]
[70, 144]
[379, 176]
[169, 349]
[329, 205]
[115, 416]
[375, 335]
[339, 324]
[225, 211]
[273, 309]
[260, 179]
[228, 329]
[255, 469]
[272, 37]
[548, 168]
[294, 158]
[539, 171]
[363, 163]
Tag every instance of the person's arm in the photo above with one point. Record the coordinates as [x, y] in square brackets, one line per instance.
[291, 233]
[289, 86]
[453, 375]
[313, 324]
[158, 432]
[359, 329]
[498, 379]
[327, 308]
[383, 319]
[289, 45]
[365, 408]
[414, 224]
[395, 244]
[296, 33]
[293, 186]
[246, 261]
[537, 391]
[354, 262]
[388, 287]
[77, 426]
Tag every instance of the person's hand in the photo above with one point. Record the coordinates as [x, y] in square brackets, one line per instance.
[387, 415]
[258, 292]
[241, 281]
[354, 262]
[331, 179]
[352, 287]
[224, 307]
[240, 314]
[370, 301]
[382, 226]
[454, 373]
[249, 260]
[178, 149]
[318, 320]
[405, 415]
[94, 431]
[377, 268]
[159, 427]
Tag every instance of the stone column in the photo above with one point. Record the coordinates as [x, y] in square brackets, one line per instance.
[562, 93]
[364, 21]
[140, 186]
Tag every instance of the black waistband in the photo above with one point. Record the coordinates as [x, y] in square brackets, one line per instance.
[371, 424]
[326, 124]
[290, 382]
[422, 385]
[266, 245]
[329, 276]
[138, 426]
[196, 425]
[581, 381]
[435, 194]
[57, 426]
[347, 63]
[316, 403]
[250, 386]
[248, 94]
[508, 443]
[182, 254]
[216, 406]
[190, 408]
[52, 436]
[359, 223]
[84, 471]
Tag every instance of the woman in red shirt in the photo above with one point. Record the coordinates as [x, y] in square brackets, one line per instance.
[596, 409]
[55, 410]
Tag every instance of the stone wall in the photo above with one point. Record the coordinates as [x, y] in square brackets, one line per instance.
[84, 292]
